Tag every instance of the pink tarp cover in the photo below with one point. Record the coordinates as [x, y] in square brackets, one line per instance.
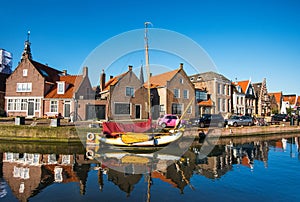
[113, 127]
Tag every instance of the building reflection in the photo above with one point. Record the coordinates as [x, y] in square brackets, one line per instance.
[27, 174]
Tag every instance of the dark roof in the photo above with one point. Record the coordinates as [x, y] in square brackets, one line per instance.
[50, 74]
[208, 76]
[257, 88]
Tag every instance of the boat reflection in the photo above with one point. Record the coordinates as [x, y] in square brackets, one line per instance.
[27, 175]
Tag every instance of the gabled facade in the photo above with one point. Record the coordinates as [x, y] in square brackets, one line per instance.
[219, 89]
[67, 97]
[275, 102]
[263, 105]
[126, 96]
[174, 93]
[250, 97]
[27, 86]
[288, 101]
[238, 99]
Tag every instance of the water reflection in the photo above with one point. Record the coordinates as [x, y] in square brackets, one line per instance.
[28, 174]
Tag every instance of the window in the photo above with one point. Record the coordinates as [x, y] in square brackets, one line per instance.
[25, 72]
[60, 87]
[181, 81]
[162, 108]
[122, 108]
[224, 90]
[53, 106]
[37, 105]
[185, 94]
[24, 104]
[129, 91]
[219, 104]
[24, 87]
[219, 88]
[176, 108]
[176, 93]
[223, 105]
[201, 95]
[10, 104]
[229, 90]
[17, 104]
[192, 78]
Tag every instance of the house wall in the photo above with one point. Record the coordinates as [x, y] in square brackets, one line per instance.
[118, 95]
[37, 86]
[175, 83]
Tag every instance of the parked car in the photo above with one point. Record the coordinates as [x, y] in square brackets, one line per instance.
[207, 120]
[168, 120]
[280, 117]
[240, 121]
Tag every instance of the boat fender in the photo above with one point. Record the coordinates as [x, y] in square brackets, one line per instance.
[90, 136]
[89, 154]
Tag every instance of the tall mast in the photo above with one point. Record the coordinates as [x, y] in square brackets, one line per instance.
[147, 65]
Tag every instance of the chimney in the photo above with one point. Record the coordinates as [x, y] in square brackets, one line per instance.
[150, 75]
[130, 68]
[64, 72]
[110, 77]
[85, 72]
[102, 80]
[181, 66]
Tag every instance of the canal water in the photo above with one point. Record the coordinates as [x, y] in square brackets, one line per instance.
[244, 169]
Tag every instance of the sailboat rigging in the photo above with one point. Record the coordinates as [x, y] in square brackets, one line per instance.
[139, 134]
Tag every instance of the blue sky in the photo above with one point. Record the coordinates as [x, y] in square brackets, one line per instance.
[245, 39]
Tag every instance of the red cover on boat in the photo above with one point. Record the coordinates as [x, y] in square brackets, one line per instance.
[113, 127]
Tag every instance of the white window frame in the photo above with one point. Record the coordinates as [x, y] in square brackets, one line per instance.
[25, 72]
[24, 87]
[60, 88]
[53, 103]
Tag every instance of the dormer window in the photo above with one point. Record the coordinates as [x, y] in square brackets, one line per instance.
[60, 87]
[25, 72]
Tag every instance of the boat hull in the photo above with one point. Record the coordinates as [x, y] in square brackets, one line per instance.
[156, 141]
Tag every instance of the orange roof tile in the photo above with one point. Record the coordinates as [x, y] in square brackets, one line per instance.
[161, 79]
[113, 81]
[290, 98]
[72, 83]
[277, 96]
[159, 175]
[207, 103]
[243, 85]
[298, 101]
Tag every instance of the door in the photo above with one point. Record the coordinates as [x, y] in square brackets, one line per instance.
[30, 110]
[137, 111]
[67, 109]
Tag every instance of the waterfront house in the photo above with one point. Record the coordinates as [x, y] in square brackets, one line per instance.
[27, 86]
[238, 99]
[288, 102]
[69, 97]
[250, 97]
[219, 89]
[37, 90]
[125, 95]
[263, 105]
[174, 93]
[275, 102]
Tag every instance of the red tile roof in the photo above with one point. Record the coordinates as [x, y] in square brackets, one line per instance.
[243, 85]
[206, 103]
[277, 96]
[290, 98]
[161, 79]
[113, 81]
[72, 83]
[298, 101]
